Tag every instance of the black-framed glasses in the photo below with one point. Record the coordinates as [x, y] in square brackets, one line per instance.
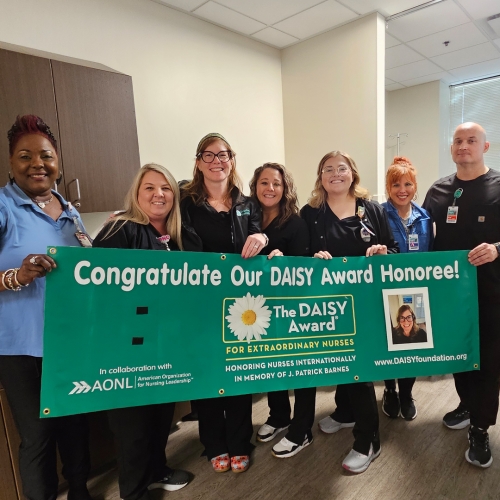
[406, 319]
[209, 157]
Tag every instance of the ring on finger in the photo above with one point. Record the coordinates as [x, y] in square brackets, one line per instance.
[256, 245]
[33, 260]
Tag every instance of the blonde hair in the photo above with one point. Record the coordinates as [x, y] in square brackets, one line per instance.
[134, 213]
[196, 188]
[319, 195]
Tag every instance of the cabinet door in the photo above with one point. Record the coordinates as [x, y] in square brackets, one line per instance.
[98, 135]
[25, 88]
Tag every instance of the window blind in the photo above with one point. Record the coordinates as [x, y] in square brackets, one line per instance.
[478, 102]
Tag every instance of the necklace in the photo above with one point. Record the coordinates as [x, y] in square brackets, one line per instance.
[42, 204]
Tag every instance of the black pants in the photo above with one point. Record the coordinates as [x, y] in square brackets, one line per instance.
[20, 376]
[225, 425]
[303, 412]
[478, 389]
[405, 386]
[357, 403]
[141, 434]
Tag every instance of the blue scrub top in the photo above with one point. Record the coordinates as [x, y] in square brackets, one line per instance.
[26, 229]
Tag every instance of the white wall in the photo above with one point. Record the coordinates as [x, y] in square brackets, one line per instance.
[422, 112]
[189, 77]
[333, 99]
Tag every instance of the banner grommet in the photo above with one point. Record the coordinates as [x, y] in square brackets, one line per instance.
[221, 391]
[52, 250]
[356, 377]
[476, 365]
[46, 411]
[223, 257]
[344, 259]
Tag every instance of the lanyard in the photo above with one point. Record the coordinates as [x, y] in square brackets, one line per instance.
[456, 196]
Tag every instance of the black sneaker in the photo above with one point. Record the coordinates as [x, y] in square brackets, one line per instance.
[286, 449]
[172, 481]
[458, 418]
[479, 452]
[408, 409]
[390, 403]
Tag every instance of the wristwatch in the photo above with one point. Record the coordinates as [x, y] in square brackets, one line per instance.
[497, 246]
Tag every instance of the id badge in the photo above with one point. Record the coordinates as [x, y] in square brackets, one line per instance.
[84, 239]
[365, 235]
[413, 241]
[452, 215]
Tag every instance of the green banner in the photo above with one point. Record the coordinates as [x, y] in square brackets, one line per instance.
[135, 327]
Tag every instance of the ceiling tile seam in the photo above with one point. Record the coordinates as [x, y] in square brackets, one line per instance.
[464, 48]
[204, 3]
[350, 8]
[423, 76]
[432, 34]
[465, 65]
[477, 24]
[427, 74]
[234, 10]
[302, 11]
[276, 29]
[419, 53]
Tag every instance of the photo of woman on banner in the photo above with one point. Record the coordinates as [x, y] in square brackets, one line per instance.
[151, 221]
[407, 330]
[412, 229]
[33, 216]
[272, 185]
[342, 222]
[216, 217]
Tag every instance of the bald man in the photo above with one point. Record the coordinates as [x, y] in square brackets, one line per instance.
[465, 207]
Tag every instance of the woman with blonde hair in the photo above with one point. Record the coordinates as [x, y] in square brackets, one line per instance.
[151, 221]
[217, 217]
[342, 222]
[412, 228]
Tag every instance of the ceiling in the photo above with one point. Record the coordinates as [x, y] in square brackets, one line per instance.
[415, 43]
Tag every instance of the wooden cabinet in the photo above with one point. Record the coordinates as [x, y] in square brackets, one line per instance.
[91, 113]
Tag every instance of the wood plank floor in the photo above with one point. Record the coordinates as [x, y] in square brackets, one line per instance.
[419, 460]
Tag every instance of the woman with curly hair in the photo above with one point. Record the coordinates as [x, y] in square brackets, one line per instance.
[273, 187]
[407, 330]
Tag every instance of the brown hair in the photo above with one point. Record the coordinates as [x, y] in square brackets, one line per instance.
[134, 213]
[399, 329]
[196, 188]
[400, 166]
[319, 196]
[288, 204]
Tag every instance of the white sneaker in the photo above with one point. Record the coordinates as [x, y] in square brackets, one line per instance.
[329, 426]
[357, 462]
[268, 432]
[286, 449]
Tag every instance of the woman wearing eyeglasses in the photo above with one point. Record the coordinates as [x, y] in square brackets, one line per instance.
[343, 222]
[412, 228]
[216, 217]
[407, 331]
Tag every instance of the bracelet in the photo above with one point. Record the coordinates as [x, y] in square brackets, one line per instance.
[17, 281]
[267, 239]
[9, 280]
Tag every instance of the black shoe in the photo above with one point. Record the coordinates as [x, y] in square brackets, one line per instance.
[390, 403]
[173, 480]
[408, 409]
[458, 418]
[479, 452]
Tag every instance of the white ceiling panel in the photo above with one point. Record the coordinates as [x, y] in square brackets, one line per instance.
[316, 19]
[413, 70]
[443, 75]
[388, 81]
[390, 41]
[427, 21]
[497, 42]
[399, 55]
[187, 5]
[223, 16]
[465, 57]
[394, 86]
[480, 9]
[459, 37]
[385, 7]
[480, 70]
[495, 25]
[274, 37]
[268, 11]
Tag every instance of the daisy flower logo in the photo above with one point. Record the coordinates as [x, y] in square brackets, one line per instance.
[248, 317]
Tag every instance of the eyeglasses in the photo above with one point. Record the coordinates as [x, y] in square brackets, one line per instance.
[406, 319]
[209, 157]
[342, 170]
